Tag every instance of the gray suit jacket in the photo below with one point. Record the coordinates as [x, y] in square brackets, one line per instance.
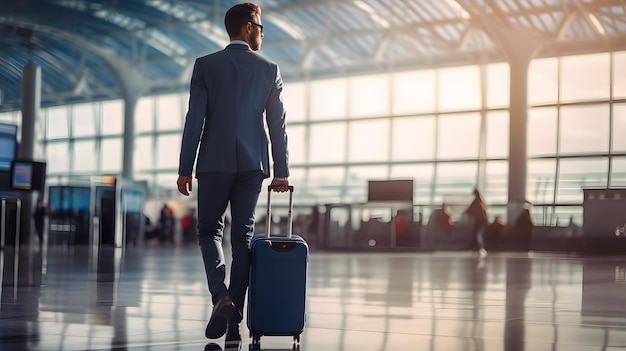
[230, 91]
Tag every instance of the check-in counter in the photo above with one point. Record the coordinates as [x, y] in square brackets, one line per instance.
[10, 212]
[371, 226]
[96, 211]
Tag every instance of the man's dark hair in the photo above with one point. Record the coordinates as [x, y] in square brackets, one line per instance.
[239, 15]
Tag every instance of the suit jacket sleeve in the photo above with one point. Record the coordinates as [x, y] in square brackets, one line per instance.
[275, 115]
[194, 122]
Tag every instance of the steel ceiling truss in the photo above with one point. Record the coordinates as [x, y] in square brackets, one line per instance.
[85, 46]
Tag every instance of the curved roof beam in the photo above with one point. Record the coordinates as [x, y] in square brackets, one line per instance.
[212, 32]
[512, 40]
[178, 10]
[130, 81]
[373, 15]
[458, 9]
[565, 25]
[472, 33]
[383, 44]
[309, 55]
[139, 26]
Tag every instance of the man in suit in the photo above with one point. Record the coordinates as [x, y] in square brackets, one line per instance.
[230, 91]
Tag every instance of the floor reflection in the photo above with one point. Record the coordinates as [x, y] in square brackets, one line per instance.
[518, 283]
[156, 299]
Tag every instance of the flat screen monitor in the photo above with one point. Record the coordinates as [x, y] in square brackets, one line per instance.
[390, 190]
[28, 175]
[8, 145]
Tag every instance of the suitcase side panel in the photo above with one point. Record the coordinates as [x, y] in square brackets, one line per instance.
[277, 292]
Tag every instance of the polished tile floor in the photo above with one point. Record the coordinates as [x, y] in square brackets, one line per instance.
[156, 299]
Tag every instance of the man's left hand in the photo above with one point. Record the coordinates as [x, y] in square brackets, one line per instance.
[184, 184]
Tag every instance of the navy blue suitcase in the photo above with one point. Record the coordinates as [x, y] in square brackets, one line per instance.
[278, 280]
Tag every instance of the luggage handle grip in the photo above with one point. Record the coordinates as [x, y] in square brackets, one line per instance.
[268, 217]
[272, 187]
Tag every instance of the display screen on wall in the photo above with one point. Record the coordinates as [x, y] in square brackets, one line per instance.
[22, 176]
[390, 190]
[28, 175]
[8, 145]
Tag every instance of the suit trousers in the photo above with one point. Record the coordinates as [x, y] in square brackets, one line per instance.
[215, 191]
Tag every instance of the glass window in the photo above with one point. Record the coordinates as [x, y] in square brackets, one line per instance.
[540, 181]
[458, 136]
[541, 132]
[498, 134]
[326, 184]
[144, 115]
[422, 174]
[459, 88]
[112, 118]
[294, 100]
[369, 141]
[498, 85]
[496, 182]
[585, 77]
[149, 178]
[58, 160]
[454, 178]
[297, 176]
[143, 158]
[168, 151]
[542, 81]
[584, 129]
[328, 99]
[359, 175]
[562, 215]
[619, 75]
[356, 182]
[10, 117]
[413, 138]
[84, 116]
[58, 122]
[618, 172]
[111, 150]
[169, 112]
[327, 143]
[619, 127]
[297, 144]
[577, 174]
[413, 92]
[85, 159]
[167, 180]
[369, 95]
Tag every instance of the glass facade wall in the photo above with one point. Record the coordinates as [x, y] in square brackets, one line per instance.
[447, 128]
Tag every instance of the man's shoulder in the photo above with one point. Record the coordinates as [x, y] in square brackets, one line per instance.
[268, 61]
[211, 55]
[237, 55]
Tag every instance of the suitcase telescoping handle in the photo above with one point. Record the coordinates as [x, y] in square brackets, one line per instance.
[268, 218]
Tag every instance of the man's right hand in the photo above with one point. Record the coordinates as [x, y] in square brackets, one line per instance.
[281, 186]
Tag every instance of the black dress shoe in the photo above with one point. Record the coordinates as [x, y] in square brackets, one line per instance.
[212, 347]
[223, 308]
[232, 335]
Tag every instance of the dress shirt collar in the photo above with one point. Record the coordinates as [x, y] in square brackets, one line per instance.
[239, 42]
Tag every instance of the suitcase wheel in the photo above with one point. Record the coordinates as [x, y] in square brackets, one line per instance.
[256, 339]
[296, 338]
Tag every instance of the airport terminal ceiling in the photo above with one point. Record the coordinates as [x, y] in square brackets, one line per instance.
[98, 50]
